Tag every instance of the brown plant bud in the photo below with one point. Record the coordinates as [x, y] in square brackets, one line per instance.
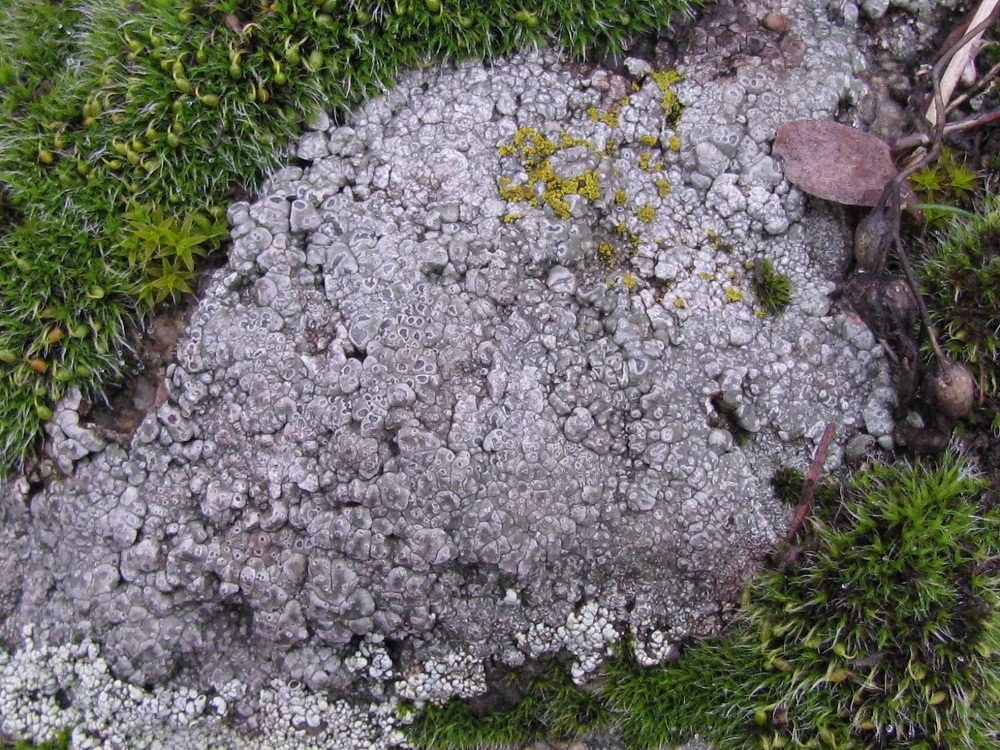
[953, 389]
[871, 240]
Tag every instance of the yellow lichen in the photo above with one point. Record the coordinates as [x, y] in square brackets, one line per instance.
[679, 303]
[670, 104]
[674, 144]
[620, 197]
[648, 140]
[589, 186]
[515, 193]
[645, 162]
[555, 200]
[629, 280]
[509, 217]
[663, 188]
[705, 276]
[733, 294]
[607, 253]
[646, 214]
[535, 150]
[608, 118]
[522, 135]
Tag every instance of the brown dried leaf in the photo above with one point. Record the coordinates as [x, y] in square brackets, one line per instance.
[836, 162]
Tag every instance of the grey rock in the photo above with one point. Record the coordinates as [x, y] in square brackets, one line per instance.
[380, 424]
[877, 413]
[344, 142]
[303, 217]
[875, 9]
[858, 448]
[312, 146]
[711, 161]
[573, 162]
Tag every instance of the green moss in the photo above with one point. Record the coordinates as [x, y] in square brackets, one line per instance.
[787, 484]
[552, 707]
[949, 181]
[960, 276]
[772, 289]
[888, 622]
[669, 705]
[61, 741]
[164, 250]
[54, 278]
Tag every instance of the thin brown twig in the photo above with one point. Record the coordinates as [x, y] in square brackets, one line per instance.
[981, 82]
[925, 317]
[804, 508]
[969, 123]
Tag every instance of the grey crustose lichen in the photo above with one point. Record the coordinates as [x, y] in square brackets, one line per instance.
[396, 416]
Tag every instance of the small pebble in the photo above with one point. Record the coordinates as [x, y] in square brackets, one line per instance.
[777, 22]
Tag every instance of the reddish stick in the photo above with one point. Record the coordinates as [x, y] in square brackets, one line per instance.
[812, 479]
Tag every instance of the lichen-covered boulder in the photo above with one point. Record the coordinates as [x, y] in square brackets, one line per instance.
[485, 376]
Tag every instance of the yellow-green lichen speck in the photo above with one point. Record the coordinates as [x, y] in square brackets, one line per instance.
[590, 185]
[629, 281]
[508, 218]
[670, 104]
[620, 197]
[535, 150]
[645, 162]
[569, 141]
[663, 188]
[733, 294]
[608, 118]
[674, 144]
[516, 193]
[646, 214]
[649, 140]
[607, 253]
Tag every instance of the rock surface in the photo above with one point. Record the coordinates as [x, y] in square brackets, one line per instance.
[483, 377]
